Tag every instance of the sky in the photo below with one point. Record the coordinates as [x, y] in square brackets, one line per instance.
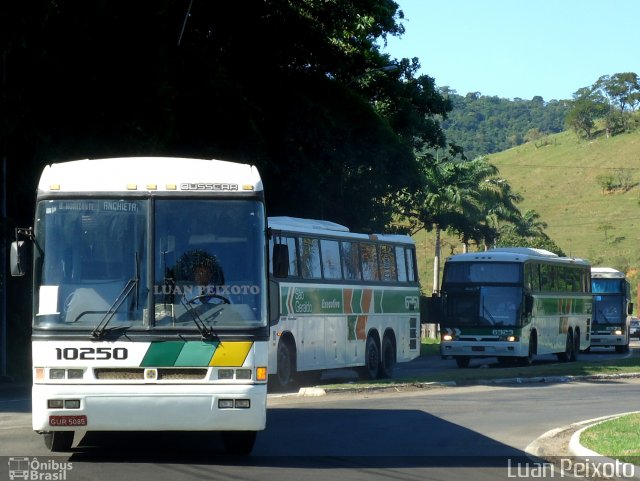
[519, 48]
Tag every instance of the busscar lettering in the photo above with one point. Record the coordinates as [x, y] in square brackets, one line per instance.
[213, 186]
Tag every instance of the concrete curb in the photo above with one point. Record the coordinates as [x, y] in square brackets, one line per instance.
[617, 468]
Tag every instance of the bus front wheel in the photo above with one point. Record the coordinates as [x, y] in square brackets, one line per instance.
[239, 443]
[463, 361]
[58, 441]
[286, 364]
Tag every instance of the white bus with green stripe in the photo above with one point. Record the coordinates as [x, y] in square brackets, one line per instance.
[127, 334]
[346, 300]
[513, 304]
[612, 308]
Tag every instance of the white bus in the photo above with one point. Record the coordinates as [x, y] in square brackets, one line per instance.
[612, 308]
[514, 303]
[150, 299]
[345, 299]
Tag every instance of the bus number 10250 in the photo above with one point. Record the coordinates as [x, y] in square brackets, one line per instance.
[91, 353]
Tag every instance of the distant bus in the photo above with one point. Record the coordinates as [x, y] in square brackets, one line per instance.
[513, 304]
[346, 300]
[612, 308]
[150, 299]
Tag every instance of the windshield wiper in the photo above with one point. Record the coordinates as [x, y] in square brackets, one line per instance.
[98, 332]
[205, 331]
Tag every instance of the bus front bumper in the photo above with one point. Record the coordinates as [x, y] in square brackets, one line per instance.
[485, 349]
[149, 407]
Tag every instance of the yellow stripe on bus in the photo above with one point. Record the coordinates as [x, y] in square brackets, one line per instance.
[231, 354]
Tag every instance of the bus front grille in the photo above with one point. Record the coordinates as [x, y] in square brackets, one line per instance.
[132, 374]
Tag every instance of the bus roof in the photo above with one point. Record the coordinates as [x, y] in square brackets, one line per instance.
[515, 254]
[606, 273]
[325, 227]
[148, 174]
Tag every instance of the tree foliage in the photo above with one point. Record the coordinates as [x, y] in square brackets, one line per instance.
[483, 124]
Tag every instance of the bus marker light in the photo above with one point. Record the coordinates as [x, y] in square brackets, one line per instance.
[152, 186]
[39, 374]
[132, 187]
[151, 374]
[243, 403]
[54, 187]
[225, 403]
[247, 187]
[171, 187]
[261, 374]
[72, 404]
[55, 403]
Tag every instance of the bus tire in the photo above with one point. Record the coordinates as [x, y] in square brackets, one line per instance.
[239, 443]
[58, 441]
[371, 368]
[463, 361]
[528, 359]
[576, 346]
[286, 364]
[388, 358]
[568, 349]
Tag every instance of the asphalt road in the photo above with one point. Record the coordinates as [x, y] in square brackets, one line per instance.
[474, 432]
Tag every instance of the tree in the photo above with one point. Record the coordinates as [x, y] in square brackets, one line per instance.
[586, 107]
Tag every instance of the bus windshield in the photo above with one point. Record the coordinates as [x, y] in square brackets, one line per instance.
[608, 309]
[482, 306]
[133, 263]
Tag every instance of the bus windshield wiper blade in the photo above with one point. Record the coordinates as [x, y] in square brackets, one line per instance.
[205, 331]
[98, 331]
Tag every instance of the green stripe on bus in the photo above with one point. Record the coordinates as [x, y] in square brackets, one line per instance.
[162, 354]
[331, 300]
[196, 353]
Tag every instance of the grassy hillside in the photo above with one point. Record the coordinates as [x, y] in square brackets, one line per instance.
[559, 180]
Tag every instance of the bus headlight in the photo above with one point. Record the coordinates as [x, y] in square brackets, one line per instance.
[447, 337]
[617, 332]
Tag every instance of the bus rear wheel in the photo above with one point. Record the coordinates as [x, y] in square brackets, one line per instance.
[239, 443]
[58, 441]
[371, 369]
[388, 358]
[568, 354]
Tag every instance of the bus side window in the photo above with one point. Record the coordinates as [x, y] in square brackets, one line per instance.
[401, 264]
[310, 258]
[388, 264]
[350, 260]
[280, 260]
[370, 271]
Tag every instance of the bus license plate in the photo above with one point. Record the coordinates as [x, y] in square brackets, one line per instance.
[477, 348]
[67, 421]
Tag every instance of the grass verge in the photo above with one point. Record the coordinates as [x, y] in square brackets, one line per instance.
[551, 369]
[618, 438]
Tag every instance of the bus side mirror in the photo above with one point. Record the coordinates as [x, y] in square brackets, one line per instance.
[280, 260]
[274, 301]
[528, 304]
[630, 309]
[17, 258]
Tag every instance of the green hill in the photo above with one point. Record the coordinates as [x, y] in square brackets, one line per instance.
[561, 179]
